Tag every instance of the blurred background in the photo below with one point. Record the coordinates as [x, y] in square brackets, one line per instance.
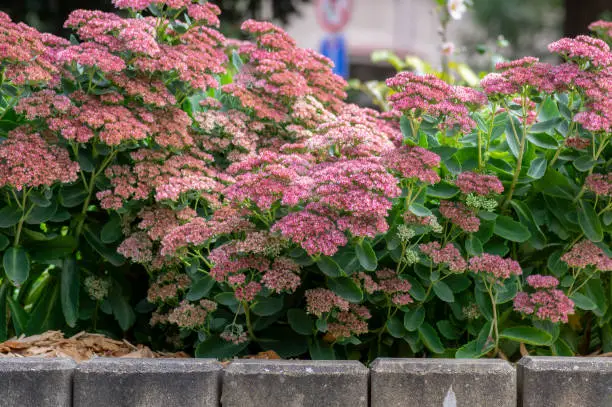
[350, 30]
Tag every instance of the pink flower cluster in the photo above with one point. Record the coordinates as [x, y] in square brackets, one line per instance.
[547, 302]
[496, 266]
[348, 323]
[586, 253]
[276, 71]
[28, 161]
[480, 184]
[600, 184]
[320, 301]
[426, 94]
[603, 28]
[24, 54]
[282, 276]
[460, 215]
[413, 162]
[512, 77]
[449, 255]
[582, 48]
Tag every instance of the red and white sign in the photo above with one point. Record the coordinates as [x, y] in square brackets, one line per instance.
[333, 15]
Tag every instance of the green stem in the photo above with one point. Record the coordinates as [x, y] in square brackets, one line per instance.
[519, 165]
[495, 317]
[23, 217]
[249, 325]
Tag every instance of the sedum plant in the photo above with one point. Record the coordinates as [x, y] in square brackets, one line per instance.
[230, 184]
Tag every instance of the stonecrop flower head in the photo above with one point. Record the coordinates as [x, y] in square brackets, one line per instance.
[28, 161]
[25, 57]
[547, 302]
[480, 184]
[583, 48]
[418, 95]
[448, 255]
[495, 265]
[600, 184]
[585, 254]
[514, 76]
[321, 300]
[460, 215]
[413, 162]
[601, 27]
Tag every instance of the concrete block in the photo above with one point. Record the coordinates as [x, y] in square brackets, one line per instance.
[565, 382]
[116, 382]
[274, 383]
[442, 383]
[36, 382]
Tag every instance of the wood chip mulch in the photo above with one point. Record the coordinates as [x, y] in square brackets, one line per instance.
[84, 346]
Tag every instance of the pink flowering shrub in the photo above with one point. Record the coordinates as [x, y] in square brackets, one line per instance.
[220, 195]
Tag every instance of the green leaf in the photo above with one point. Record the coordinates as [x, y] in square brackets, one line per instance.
[329, 267]
[56, 248]
[537, 239]
[442, 190]
[18, 316]
[106, 252]
[416, 290]
[447, 329]
[430, 338]
[70, 286]
[543, 140]
[443, 291]
[267, 306]
[72, 196]
[320, 351]
[9, 216]
[527, 334]
[554, 263]
[122, 310]
[46, 314]
[484, 303]
[474, 350]
[589, 221]
[4, 242]
[39, 199]
[545, 126]
[200, 288]
[228, 299]
[594, 289]
[3, 320]
[537, 168]
[346, 288]
[395, 327]
[299, 321]
[561, 348]
[583, 302]
[217, 348]
[111, 231]
[237, 61]
[473, 246]
[509, 229]
[41, 214]
[584, 163]
[407, 132]
[419, 210]
[414, 318]
[366, 256]
[16, 264]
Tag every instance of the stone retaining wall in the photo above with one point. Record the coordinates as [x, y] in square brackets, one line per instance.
[536, 382]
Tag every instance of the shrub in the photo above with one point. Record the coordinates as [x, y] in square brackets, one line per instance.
[268, 213]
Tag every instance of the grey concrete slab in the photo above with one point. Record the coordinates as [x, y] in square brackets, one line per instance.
[117, 382]
[565, 382]
[442, 383]
[274, 383]
[36, 382]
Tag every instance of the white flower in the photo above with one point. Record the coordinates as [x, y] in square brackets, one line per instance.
[448, 48]
[456, 8]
